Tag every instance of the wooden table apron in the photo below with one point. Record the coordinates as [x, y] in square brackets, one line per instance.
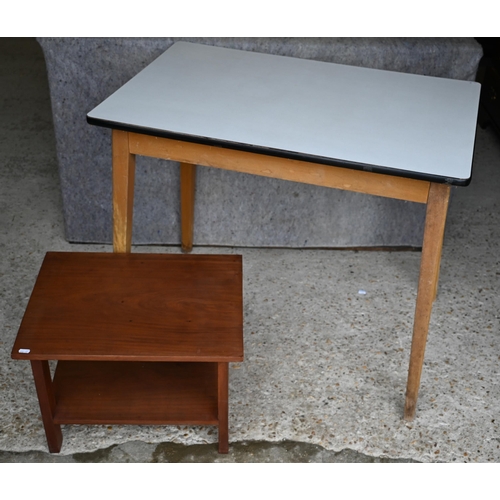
[126, 145]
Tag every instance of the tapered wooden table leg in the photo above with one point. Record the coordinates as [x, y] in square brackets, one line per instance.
[188, 181]
[435, 221]
[223, 395]
[43, 384]
[123, 192]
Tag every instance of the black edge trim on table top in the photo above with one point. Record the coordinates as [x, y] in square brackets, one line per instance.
[207, 141]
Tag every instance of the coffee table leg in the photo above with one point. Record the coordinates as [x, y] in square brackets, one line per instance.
[188, 181]
[43, 383]
[123, 192]
[223, 410]
[437, 208]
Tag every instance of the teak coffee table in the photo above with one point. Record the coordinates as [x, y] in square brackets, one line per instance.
[139, 339]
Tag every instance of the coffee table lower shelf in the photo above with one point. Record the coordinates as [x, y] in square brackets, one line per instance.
[121, 392]
[132, 392]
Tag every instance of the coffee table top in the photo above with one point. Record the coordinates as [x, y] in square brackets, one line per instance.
[134, 307]
[382, 121]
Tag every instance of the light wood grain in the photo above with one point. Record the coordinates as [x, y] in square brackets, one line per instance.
[435, 222]
[281, 168]
[123, 192]
[188, 181]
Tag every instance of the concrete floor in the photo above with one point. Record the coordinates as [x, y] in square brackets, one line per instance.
[325, 368]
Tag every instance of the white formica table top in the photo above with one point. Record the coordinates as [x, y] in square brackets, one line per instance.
[383, 121]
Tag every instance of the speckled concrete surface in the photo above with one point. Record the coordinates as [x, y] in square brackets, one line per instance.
[324, 365]
[241, 452]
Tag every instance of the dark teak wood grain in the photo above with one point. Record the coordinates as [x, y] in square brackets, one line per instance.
[135, 307]
[118, 392]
